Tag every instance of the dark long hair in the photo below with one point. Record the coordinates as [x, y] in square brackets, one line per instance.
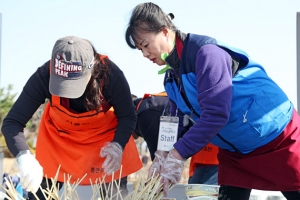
[147, 17]
[100, 77]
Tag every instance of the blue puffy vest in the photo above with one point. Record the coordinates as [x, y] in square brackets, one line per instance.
[260, 110]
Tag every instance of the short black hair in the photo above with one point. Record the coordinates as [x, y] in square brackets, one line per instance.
[147, 17]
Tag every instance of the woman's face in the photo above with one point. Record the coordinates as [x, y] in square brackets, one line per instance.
[153, 45]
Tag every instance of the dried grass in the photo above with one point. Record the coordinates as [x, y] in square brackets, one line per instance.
[144, 189]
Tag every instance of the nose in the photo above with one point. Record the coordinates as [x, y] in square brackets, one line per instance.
[145, 53]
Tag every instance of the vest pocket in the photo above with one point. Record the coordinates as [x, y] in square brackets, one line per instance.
[251, 125]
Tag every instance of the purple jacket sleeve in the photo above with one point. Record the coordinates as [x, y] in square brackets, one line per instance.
[214, 85]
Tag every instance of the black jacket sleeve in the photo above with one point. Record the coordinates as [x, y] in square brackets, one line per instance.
[34, 93]
[117, 94]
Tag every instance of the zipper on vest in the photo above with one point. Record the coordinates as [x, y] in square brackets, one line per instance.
[182, 93]
[232, 146]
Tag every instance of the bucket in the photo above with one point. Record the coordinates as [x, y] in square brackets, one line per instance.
[201, 192]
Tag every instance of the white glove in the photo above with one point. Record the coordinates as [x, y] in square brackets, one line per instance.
[171, 169]
[31, 172]
[113, 153]
[155, 167]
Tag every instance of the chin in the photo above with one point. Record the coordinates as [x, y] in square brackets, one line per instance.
[160, 63]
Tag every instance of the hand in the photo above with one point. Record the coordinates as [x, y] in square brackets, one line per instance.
[31, 172]
[155, 167]
[171, 169]
[113, 153]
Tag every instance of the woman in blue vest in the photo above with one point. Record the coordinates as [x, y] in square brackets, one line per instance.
[234, 103]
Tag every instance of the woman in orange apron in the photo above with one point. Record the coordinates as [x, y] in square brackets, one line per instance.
[85, 131]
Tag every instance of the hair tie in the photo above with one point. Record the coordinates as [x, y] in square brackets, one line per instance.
[171, 16]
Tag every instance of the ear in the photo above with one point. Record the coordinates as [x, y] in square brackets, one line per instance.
[165, 31]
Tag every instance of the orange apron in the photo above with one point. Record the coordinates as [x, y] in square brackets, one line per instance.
[206, 156]
[73, 142]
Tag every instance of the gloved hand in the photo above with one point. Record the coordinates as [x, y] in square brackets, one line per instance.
[31, 172]
[113, 153]
[171, 169]
[155, 167]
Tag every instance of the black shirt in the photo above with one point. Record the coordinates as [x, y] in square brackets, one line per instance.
[149, 112]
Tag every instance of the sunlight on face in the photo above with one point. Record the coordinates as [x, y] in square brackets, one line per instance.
[153, 45]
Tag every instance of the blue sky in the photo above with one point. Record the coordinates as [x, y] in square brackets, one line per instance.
[265, 29]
